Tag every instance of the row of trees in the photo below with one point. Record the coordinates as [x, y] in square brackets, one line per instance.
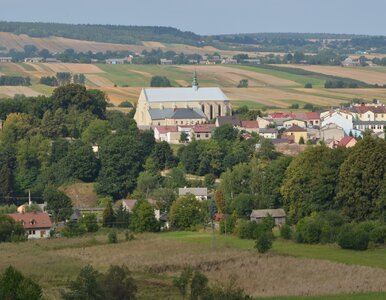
[14, 80]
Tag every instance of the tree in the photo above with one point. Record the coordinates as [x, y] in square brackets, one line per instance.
[87, 285]
[63, 78]
[89, 222]
[301, 140]
[264, 242]
[186, 212]
[79, 79]
[10, 230]
[267, 150]
[121, 160]
[147, 182]
[160, 81]
[182, 282]
[243, 83]
[308, 85]
[310, 181]
[58, 203]
[183, 137]
[143, 218]
[108, 216]
[361, 178]
[119, 284]
[176, 178]
[96, 131]
[164, 197]
[225, 133]
[162, 156]
[122, 217]
[13, 285]
[16, 127]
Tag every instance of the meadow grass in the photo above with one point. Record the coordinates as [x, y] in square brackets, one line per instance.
[366, 296]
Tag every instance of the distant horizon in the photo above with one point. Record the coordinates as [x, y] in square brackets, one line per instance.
[214, 34]
[214, 17]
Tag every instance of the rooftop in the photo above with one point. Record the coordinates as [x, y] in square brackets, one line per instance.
[155, 95]
[234, 120]
[179, 113]
[33, 220]
[249, 124]
[296, 128]
[262, 213]
[347, 139]
[195, 191]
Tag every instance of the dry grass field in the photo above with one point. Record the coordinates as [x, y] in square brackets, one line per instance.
[155, 260]
[375, 75]
[11, 91]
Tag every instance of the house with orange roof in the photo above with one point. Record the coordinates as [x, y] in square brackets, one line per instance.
[36, 224]
[347, 142]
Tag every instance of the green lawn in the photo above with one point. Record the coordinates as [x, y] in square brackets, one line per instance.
[371, 258]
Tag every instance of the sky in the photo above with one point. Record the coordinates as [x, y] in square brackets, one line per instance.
[210, 16]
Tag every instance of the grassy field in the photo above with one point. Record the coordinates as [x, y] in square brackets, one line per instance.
[155, 259]
[268, 88]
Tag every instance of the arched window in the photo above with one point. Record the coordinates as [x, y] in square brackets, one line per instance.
[219, 110]
[211, 112]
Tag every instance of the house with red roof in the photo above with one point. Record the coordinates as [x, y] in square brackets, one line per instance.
[249, 126]
[36, 224]
[347, 142]
[168, 134]
[202, 131]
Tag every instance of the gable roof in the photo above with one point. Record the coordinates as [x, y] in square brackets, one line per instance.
[33, 220]
[249, 124]
[203, 128]
[262, 213]
[166, 129]
[234, 120]
[129, 203]
[296, 128]
[268, 130]
[155, 95]
[347, 139]
[194, 191]
[178, 113]
[361, 109]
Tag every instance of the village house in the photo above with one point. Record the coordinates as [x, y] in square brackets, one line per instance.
[347, 142]
[331, 132]
[263, 123]
[169, 134]
[369, 112]
[199, 193]
[268, 133]
[279, 215]
[249, 126]
[129, 204]
[229, 61]
[5, 59]
[36, 224]
[291, 122]
[119, 61]
[233, 120]
[297, 133]
[202, 131]
[180, 106]
[33, 59]
[374, 126]
[165, 61]
[340, 117]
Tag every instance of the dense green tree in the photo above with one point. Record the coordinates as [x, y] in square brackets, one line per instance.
[160, 81]
[267, 150]
[119, 284]
[121, 160]
[310, 181]
[147, 182]
[162, 156]
[186, 212]
[243, 204]
[10, 230]
[14, 285]
[59, 149]
[122, 217]
[87, 285]
[164, 197]
[264, 242]
[57, 203]
[225, 133]
[176, 178]
[96, 131]
[143, 218]
[188, 156]
[16, 127]
[89, 222]
[63, 78]
[210, 158]
[361, 179]
[7, 166]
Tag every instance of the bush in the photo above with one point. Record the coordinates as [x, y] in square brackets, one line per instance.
[125, 104]
[308, 85]
[308, 230]
[264, 242]
[353, 237]
[72, 229]
[10, 230]
[286, 232]
[228, 223]
[378, 235]
[89, 222]
[250, 230]
[113, 237]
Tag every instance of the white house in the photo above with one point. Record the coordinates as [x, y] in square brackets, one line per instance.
[36, 224]
[200, 193]
[268, 133]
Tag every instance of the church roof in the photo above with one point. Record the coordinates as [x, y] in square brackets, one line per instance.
[179, 113]
[155, 95]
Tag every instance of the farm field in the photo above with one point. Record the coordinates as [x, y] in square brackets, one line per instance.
[373, 75]
[268, 88]
[155, 259]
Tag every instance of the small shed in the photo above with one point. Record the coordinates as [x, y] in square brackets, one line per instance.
[278, 215]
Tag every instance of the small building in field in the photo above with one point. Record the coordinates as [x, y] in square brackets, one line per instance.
[279, 215]
[165, 61]
[36, 224]
[5, 59]
[199, 193]
[33, 59]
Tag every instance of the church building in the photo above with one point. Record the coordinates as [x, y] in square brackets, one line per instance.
[181, 105]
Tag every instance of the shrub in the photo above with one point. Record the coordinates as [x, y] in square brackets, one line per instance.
[113, 238]
[286, 232]
[249, 230]
[228, 223]
[264, 242]
[72, 229]
[125, 104]
[353, 237]
[308, 85]
[10, 230]
[89, 222]
[378, 234]
[308, 230]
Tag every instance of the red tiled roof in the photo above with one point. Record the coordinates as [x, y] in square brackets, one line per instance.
[166, 129]
[249, 124]
[347, 139]
[361, 109]
[312, 115]
[203, 128]
[296, 128]
[281, 115]
[33, 220]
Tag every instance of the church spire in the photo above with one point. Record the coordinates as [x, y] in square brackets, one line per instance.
[195, 82]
